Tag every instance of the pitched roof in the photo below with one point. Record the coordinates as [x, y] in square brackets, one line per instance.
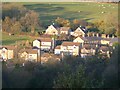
[45, 36]
[66, 43]
[107, 39]
[89, 46]
[30, 51]
[51, 27]
[37, 40]
[78, 38]
[78, 30]
[91, 38]
[81, 29]
[64, 28]
[57, 47]
[9, 47]
[104, 48]
[45, 39]
[113, 40]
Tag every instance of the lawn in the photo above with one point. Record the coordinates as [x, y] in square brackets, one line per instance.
[81, 10]
[11, 40]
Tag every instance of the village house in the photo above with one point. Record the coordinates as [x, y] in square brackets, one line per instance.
[51, 30]
[7, 52]
[105, 41]
[49, 58]
[70, 48]
[57, 50]
[37, 43]
[103, 35]
[105, 51]
[44, 43]
[79, 32]
[79, 40]
[29, 54]
[88, 50]
[65, 30]
[92, 40]
[114, 40]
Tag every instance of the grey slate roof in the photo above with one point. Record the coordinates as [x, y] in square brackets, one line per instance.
[89, 46]
[91, 38]
[113, 40]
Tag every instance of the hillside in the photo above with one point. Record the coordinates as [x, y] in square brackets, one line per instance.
[48, 12]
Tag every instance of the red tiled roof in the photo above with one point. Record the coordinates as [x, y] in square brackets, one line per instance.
[45, 39]
[57, 47]
[89, 46]
[104, 48]
[9, 47]
[30, 51]
[70, 44]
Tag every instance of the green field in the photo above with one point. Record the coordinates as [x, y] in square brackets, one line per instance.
[48, 12]
[11, 40]
[78, 10]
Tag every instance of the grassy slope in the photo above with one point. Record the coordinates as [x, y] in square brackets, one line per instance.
[89, 11]
[10, 40]
[50, 11]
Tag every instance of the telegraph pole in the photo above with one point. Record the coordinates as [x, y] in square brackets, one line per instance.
[40, 53]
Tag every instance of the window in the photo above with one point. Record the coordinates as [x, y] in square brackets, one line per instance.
[74, 46]
[3, 51]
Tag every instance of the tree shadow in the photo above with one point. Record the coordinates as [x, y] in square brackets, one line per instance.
[44, 7]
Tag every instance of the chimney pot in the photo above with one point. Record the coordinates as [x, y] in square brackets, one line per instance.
[88, 35]
[107, 36]
[93, 34]
[97, 35]
[113, 36]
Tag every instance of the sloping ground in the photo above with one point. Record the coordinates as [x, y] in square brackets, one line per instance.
[8, 40]
[71, 10]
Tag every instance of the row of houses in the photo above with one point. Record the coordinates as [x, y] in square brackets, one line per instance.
[53, 30]
[9, 52]
[6, 52]
[79, 32]
[76, 49]
[83, 45]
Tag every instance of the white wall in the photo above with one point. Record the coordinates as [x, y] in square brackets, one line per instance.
[36, 43]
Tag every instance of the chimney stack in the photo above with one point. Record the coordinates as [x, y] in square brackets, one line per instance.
[97, 35]
[93, 34]
[113, 36]
[103, 36]
[107, 36]
[53, 43]
[96, 45]
[82, 44]
[88, 34]
[83, 35]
